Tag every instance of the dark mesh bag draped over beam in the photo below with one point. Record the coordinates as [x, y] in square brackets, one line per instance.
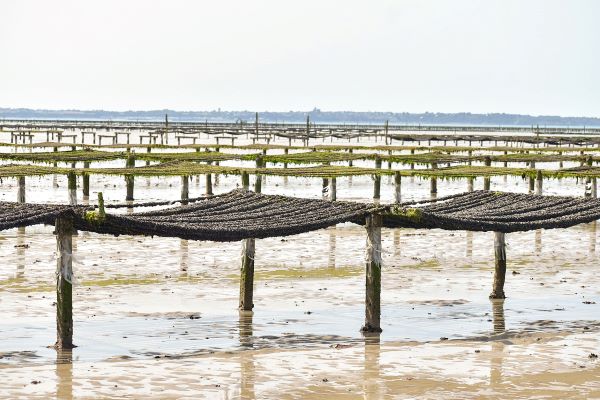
[242, 214]
[234, 216]
[494, 211]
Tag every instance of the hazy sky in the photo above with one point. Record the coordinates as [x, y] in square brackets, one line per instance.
[517, 56]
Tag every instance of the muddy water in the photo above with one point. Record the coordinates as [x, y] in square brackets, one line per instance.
[157, 318]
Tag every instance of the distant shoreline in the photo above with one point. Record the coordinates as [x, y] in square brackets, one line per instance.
[316, 116]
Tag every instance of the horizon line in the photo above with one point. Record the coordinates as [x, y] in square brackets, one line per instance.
[314, 110]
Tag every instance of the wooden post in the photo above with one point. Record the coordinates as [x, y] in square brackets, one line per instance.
[256, 124]
[386, 131]
[247, 275]
[248, 250]
[72, 187]
[373, 275]
[470, 182]
[64, 286]
[433, 180]
[589, 187]
[539, 182]
[307, 129]
[377, 182]
[500, 266]
[560, 163]
[21, 190]
[245, 180]
[166, 129]
[258, 181]
[86, 181]
[531, 179]
[332, 189]
[185, 189]
[487, 179]
[209, 189]
[129, 179]
[397, 187]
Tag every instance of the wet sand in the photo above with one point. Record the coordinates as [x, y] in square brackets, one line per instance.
[157, 317]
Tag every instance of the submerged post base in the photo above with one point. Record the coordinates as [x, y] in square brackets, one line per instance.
[500, 266]
[497, 295]
[371, 329]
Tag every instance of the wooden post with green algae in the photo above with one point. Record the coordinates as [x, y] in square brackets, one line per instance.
[373, 275]
[247, 275]
[129, 179]
[433, 180]
[487, 179]
[258, 182]
[245, 180]
[398, 187]
[248, 250]
[64, 286]
[531, 179]
[21, 191]
[86, 181]
[500, 266]
[185, 189]
[72, 188]
[332, 189]
[377, 183]
[539, 181]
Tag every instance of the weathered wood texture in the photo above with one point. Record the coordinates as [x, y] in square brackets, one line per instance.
[64, 286]
[500, 266]
[373, 275]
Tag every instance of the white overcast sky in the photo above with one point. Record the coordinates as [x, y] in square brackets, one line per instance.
[516, 56]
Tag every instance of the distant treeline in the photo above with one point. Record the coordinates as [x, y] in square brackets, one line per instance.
[316, 115]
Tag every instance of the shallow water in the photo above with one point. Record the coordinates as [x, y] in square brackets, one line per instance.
[157, 317]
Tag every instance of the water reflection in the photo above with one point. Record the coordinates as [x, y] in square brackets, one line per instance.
[469, 245]
[371, 368]
[20, 252]
[247, 367]
[64, 374]
[332, 246]
[497, 345]
[470, 182]
[183, 256]
[593, 237]
[129, 210]
[397, 232]
[538, 241]
[498, 315]
[217, 175]
[245, 322]
[55, 177]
